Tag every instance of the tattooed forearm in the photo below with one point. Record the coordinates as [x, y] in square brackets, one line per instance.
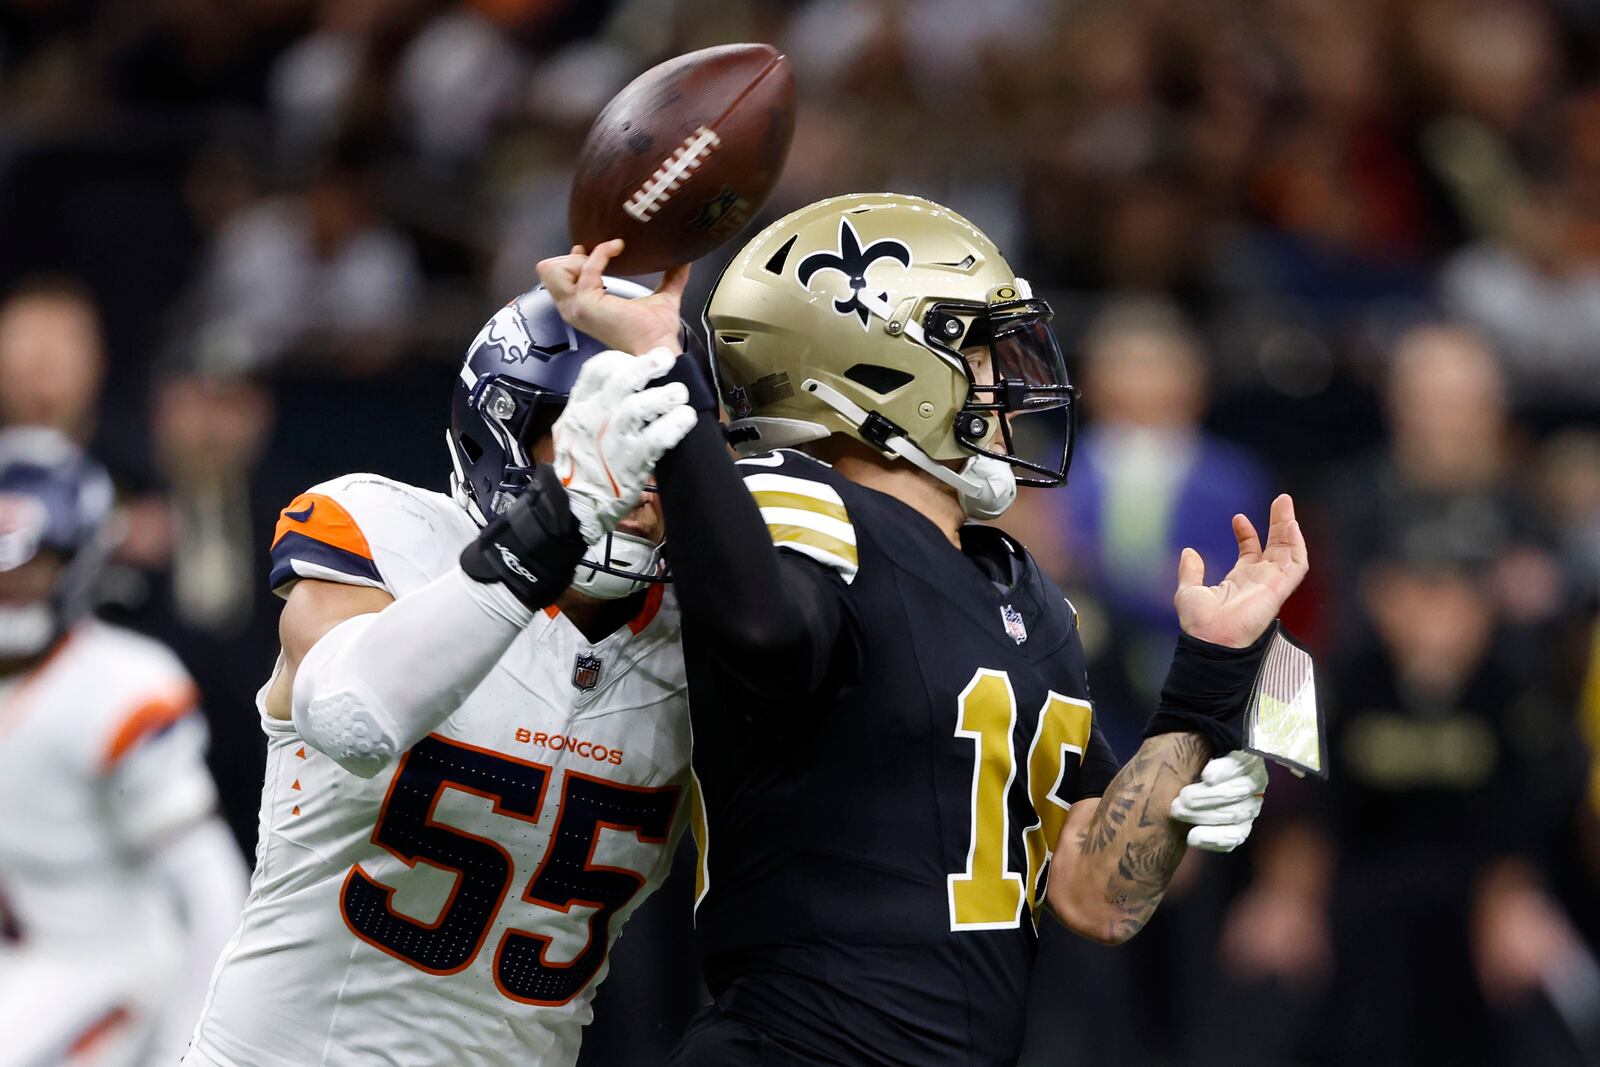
[1132, 846]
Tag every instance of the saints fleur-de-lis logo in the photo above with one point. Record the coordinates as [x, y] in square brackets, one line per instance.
[853, 262]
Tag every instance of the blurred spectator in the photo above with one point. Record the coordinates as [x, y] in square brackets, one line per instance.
[317, 273]
[1146, 482]
[1448, 476]
[455, 81]
[210, 431]
[1536, 290]
[1442, 739]
[52, 357]
[1568, 481]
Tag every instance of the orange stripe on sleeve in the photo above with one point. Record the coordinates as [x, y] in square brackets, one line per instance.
[322, 518]
[149, 717]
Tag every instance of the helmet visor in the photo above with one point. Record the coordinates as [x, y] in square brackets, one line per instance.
[1014, 367]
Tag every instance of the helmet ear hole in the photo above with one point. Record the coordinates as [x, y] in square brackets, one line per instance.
[881, 380]
[473, 450]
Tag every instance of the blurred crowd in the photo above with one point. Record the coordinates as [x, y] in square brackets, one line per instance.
[1345, 248]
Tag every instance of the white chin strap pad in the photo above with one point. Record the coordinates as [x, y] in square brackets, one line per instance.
[989, 487]
[986, 486]
[624, 551]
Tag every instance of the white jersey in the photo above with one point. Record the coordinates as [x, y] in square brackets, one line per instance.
[101, 762]
[459, 907]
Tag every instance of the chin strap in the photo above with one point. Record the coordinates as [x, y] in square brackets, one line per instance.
[620, 552]
[985, 485]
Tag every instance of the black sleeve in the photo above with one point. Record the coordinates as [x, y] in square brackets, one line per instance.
[774, 620]
[1100, 765]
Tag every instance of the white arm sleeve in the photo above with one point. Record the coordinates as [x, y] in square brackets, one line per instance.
[202, 870]
[359, 695]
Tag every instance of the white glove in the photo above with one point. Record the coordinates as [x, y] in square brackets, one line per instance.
[1222, 806]
[612, 433]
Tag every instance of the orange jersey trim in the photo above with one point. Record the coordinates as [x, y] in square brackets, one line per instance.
[149, 717]
[98, 1031]
[647, 612]
[324, 519]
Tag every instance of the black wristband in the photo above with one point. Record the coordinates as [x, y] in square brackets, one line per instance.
[533, 547]
[687, 372]
[1207, 690]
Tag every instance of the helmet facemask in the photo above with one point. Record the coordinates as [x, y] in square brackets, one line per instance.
[517, 414]
[1014, 367]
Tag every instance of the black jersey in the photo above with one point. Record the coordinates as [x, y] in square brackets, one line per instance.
[873, 858]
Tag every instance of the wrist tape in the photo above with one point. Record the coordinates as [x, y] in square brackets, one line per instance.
[1207, 691]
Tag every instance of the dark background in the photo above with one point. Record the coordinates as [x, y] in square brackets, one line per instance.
[1344, 248]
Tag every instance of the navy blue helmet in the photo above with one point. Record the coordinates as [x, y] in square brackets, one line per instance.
[53, 499]
[513, 385]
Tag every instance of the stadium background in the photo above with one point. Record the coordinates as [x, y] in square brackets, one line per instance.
[1347, 248]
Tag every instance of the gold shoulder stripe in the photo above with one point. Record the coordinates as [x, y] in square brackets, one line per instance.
[776, 498]
[800, 535]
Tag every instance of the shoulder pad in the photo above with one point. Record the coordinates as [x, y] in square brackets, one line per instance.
[317, 537]
[363, 529]
[142, 690]
[803, 512]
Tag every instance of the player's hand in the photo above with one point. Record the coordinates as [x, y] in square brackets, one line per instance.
[1222, 806]
[613, 431]
[577, 282]
[1238, 610]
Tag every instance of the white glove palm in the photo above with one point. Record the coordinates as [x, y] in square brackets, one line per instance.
[612, 433]
[1222, 806]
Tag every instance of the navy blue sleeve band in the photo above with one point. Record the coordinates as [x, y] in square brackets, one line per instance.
[1207, 689]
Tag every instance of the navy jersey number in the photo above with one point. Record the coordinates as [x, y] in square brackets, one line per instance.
[484, 869]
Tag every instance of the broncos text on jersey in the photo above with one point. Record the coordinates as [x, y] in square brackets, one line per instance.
[458, 908]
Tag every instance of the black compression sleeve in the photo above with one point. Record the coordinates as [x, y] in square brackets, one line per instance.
[774, 620]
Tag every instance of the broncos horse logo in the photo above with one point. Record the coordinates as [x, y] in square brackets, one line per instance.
[507, 336]
[853, 262]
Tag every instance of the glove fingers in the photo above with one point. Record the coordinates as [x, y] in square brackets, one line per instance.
[1240, 812]
[1203, 795]
[637, 371]
[633, 411]
[663, 435]
[1236, 764]
[610, 376]
[598, 375]
[1218, 838]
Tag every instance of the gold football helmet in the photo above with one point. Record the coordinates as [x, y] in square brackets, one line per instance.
[897, 322]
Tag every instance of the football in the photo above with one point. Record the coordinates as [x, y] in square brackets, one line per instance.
[684, 156]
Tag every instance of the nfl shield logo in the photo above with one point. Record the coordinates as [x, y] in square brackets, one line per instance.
[1012, 618]
[586, 672]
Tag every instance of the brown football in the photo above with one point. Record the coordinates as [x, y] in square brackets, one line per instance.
[684, 156]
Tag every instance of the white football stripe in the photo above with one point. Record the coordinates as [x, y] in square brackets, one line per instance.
[783, 483]
[810, 520]
[307, 569]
